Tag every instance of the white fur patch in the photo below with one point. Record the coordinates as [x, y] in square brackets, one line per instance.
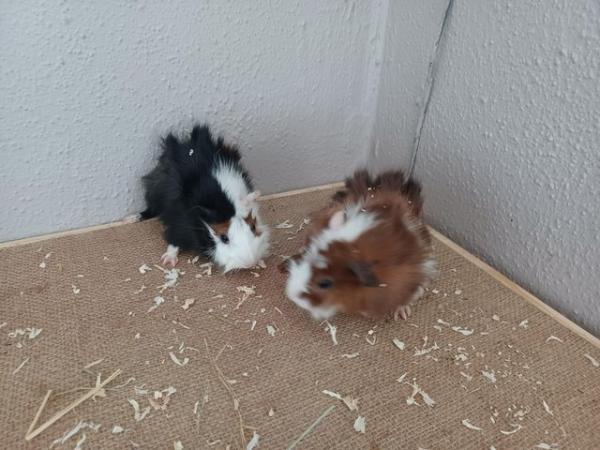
[297, 285]
[244, 249]
[233, 185]
[172, 251]
[357, 222]
[430, 268]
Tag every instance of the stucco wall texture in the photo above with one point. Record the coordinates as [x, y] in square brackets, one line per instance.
[88, 87]
[412, 27]
[510, 156]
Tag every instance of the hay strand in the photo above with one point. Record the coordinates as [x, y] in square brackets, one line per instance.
[56, 417]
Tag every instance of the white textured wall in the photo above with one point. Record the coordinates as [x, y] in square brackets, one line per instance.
[412, 27]
[510, 155]
[87, 87]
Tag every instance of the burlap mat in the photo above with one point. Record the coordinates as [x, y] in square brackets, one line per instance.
[487, 359]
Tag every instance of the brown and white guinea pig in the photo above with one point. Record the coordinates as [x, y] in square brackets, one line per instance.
[368, 253]
[205, 199]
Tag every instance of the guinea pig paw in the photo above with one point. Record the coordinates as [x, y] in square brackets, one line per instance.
[402, 312]
[169, 259]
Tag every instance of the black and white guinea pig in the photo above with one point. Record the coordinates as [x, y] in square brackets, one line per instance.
[206, 201]
[368, 253]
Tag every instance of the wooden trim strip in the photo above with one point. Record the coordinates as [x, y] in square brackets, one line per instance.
[58, 234]
[525, 295]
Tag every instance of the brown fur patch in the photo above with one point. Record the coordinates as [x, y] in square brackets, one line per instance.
[252, 223]
[383, 268]
[220, 228]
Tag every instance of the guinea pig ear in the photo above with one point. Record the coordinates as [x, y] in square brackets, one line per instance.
[364, 272]
[337, 220]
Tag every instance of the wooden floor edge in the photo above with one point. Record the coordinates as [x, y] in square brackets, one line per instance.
[521, 292]
[44, 237]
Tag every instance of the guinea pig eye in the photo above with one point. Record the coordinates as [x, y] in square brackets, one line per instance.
[224, 238]
[325, 283]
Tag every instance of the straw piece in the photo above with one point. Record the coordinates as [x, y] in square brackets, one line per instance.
[93, 392]
[311, 427]
[39, 411]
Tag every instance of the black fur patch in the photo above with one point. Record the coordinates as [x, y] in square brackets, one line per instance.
[183, 193]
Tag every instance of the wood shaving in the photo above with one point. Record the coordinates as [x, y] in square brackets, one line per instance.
[496, 317]
[547, 408]
[332, 394]
[468, 377]
[517, 428]
[247, 292]
[187, 303]
[76, 290]
[593, 360]
[350, 355]
[116, 429]
[31, 332]
[360, 424]
[524, 324]
[399, 344]
[253, 443]
[144, 268]
[79, 444]
[140, 290]
[157, 302]
[139, 414]
[350, 402]
[284, 225]
[271, 330]
[25, 361]
[332, 330]
[177, 445]
[470, 426]
[271, 413]
[442, 322]
[79, 426]
[164, 396]
[457, 292]
[554, 338]
[206, 269]
[43, 265]
[490, 375]
[401, 379]
[171, 277]
[412, 399]
[178, 361]
[435, 291]
[371, 337]
[545, 446]
[424, 351]
[463, 331]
